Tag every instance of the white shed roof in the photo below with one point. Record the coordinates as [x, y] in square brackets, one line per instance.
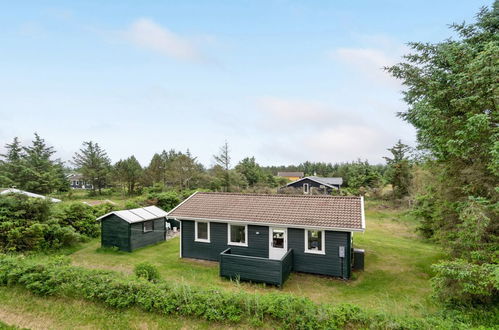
[138, 215]
[27, 193]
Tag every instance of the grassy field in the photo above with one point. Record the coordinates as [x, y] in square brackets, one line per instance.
[25, 310]
[396, 279]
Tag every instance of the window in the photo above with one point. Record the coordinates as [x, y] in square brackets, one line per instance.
[238, 235]
[314, 241]
[202, 232]
[278, 238]
[306, 188]
[148, 226]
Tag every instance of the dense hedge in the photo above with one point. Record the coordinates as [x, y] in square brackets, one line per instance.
[33, 224]
[57, 277]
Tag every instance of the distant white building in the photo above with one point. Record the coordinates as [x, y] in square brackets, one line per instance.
[6, 191]
[76, 181]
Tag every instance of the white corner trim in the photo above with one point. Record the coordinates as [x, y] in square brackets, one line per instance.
[323, 242]
[196, 239]
[180, 228]
[363, 215]
[245, 234]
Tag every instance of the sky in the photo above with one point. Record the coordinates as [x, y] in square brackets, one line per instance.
[283, 81]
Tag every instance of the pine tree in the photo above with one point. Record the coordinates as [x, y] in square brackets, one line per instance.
[38, 173]
[94, 164]
[128, 172]
[399, 172]
[11, 165]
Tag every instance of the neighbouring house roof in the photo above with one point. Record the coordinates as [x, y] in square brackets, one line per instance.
[138, 215]
[330, 182]
[75, 176]
[4, 191]
[330, 212]
[292, 174]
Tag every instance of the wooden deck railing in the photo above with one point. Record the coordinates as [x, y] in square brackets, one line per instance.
[256, 269]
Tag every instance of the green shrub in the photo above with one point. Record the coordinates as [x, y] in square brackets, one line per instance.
[131, 205]
[33, 224]
[104, 208]
[165, 200]
[147, 271]
[459, 282]
[79, 216]
[57, 277]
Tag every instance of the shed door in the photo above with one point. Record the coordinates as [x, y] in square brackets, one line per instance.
[278, 242]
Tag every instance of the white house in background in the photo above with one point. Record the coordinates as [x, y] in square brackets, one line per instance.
[76, 181]
[5, 191]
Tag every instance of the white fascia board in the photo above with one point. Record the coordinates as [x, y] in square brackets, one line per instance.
[363, 214]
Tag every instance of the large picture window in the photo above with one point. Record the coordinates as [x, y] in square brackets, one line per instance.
[202, 232]
[238, 235]
[314, 241]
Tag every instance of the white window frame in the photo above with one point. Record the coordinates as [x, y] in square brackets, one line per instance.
[245, 234]
[307, 186]
[196, 232]
[323, 241]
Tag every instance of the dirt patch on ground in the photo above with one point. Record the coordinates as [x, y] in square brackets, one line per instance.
[24, 320]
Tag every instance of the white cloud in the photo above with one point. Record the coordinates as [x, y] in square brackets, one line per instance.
[147, 34]
[302, 130]
[293, 111]
[378, 52]
[348, 142]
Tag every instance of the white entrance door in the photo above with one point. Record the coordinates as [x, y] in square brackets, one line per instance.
[278, 242]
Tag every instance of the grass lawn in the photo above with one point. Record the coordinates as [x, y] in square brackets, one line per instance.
[396, 279]
[25, 310]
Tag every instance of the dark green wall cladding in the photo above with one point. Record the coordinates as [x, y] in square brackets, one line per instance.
[128, 237]
[115, 233]
[140, 239]
[324, 264]
[256, 269]
[258, 245]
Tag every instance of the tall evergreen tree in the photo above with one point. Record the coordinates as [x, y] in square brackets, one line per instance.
[251, 170]
[184, 170]
[11, 166]
[39, 173]
[156, 171]
[128, 172]
[94, 164]
[399, 173]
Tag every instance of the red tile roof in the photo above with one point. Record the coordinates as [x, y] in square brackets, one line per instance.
[334, 212]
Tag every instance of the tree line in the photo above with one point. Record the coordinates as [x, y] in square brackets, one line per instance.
[32, 168]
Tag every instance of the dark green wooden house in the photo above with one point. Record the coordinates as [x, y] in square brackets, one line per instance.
[132, 229]
[262, 238]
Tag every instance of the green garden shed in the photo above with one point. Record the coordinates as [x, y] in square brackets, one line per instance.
[132, 229]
